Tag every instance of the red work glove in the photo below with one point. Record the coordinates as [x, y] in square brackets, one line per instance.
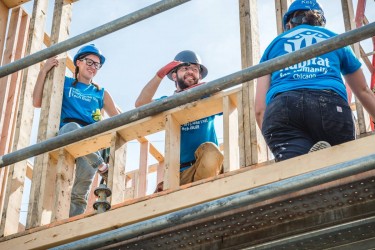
[167, 68]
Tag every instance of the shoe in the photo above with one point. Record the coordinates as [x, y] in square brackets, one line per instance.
[319, 145]
[103, 171]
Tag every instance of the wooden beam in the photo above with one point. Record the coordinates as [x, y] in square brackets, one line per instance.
[116, 175]
[8, 112]
[64, 184]
[281, 7]
[348, 15]
[128, 213]
[14, 3]
[12, 193]
[153, 151]
[253, 148]
[40, 208]
[230, 125]
[143, 162]
[172, 153]
[4, 12]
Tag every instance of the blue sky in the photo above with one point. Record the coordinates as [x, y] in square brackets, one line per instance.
[209, 27]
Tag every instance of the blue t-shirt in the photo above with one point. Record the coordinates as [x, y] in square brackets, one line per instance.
[193, 134]
[321, 72]
[83, 102]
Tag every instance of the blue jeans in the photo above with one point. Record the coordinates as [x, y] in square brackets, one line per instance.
[295, 120]
[86, 167]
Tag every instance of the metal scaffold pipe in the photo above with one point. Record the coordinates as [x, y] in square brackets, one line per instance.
[90, 35]
[228, 203]
[190, 95]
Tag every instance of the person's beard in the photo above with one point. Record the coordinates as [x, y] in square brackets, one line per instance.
[182, 83]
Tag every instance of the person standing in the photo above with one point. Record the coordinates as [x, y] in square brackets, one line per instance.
[83, 103]
[304, 107]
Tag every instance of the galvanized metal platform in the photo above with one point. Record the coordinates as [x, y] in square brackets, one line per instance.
[336, 215]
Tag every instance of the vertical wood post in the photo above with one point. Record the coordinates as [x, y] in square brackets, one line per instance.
[230, 120]
[348, 15]
[17, 172]
[4, 12]
[172, 153]
[143, 167]
[64, 184]
[40, 205]
[116, 174]
[253, 148]
[281, 7]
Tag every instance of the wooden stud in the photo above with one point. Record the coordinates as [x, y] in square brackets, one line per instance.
[143, 162]
[172, 153]
[4, 12]
[253, 148]
[49, 120]
[231, 150]
[12, 179]
[348, 14]
[116, 174]
[14, 3]
[281, 7]
[13, 82]
[64, 184]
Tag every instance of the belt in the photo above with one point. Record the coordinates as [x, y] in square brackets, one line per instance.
[187, 164]
[80, 122]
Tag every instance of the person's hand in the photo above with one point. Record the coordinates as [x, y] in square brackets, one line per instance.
[167, 68]
[50, 63]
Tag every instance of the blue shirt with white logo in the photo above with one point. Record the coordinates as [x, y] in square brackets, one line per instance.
[83, 102]
[193, 134]
[321, 72]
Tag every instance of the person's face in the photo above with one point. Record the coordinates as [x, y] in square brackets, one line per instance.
[88, 67]
[186, 76]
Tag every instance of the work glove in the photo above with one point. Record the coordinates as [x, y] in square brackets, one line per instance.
[167, 68]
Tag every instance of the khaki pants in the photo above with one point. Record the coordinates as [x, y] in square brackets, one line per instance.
[209, 163]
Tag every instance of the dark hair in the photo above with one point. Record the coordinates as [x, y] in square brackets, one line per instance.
[98, 88]
[310, 17]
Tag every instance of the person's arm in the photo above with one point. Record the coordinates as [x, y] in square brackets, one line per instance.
[357, 83]
[149, 90]
[263, 84]
[39, 85]
[109, 105]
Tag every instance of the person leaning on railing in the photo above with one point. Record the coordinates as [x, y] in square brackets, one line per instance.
[200, 156]
[83, 103]
[304, 107]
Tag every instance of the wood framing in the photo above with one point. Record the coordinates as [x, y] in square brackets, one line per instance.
[15, 51]
[24, 122]
[281, 7]
[14, 3]
[172, 153]
[253, 148]
[4, 12]
[117, 162]
[40, 208]
[199, 192]
[143, 167]
[348, 15]
[230, 125]
[64, 184]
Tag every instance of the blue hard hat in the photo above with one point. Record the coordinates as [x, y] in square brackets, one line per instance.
[188, 56]
[302, 5]
[87, 50]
